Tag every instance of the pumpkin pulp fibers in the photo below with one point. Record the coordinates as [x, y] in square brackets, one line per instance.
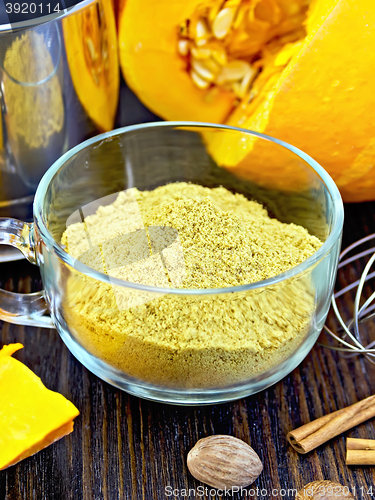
[91, 48]
[96, 46]
[240, 46]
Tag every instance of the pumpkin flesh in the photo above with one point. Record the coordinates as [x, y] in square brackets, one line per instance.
[310, 82]
[91, 49]
[31, 416]
[148, 58]
[321, 101]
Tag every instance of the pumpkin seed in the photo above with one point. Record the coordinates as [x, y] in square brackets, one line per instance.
[200, 53]
[201, 31]
[220, 56]
[246, 82]
[215, 9]
[211, 65]
[201, 42]
[233, 71]
[223, 22]
[91, 48]
[241, 31]
[199, 82]
[202, 71]
[183, 47]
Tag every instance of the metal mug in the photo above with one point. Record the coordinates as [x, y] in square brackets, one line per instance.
[42, 115]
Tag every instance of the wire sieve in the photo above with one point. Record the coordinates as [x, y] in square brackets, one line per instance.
[349, 334]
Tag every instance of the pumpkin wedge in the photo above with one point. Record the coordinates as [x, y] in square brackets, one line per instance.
[148, 47]
[91, 48]
[299, 70]
[31, 416]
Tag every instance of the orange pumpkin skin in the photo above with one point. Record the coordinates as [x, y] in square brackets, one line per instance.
[320, 102]
[362, 189]
[91, 48]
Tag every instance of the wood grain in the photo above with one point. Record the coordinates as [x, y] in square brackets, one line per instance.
[126, 448]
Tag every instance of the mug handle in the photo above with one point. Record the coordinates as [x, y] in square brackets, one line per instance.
[22, 308]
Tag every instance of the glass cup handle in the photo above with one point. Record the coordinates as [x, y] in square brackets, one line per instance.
[22, 308]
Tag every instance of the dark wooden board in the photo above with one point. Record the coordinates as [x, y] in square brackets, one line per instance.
[126, 448]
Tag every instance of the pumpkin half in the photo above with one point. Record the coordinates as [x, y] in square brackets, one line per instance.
[298, 70]
[31, 416]
[91, 49]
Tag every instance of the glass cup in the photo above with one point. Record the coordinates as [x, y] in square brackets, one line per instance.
[153, 338]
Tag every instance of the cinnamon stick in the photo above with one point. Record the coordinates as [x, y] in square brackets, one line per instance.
[321, 430]
[360, 444]
[360, 451]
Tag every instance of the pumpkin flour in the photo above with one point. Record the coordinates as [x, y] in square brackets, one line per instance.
[188, 236]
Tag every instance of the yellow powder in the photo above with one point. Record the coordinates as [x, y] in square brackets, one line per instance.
[187, 236]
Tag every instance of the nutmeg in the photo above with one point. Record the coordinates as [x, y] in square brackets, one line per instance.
[224, 462]
[324, 490]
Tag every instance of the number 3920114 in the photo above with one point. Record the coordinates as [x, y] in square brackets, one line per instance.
[32, 8]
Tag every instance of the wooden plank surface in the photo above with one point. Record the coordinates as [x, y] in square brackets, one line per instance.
[126, 448]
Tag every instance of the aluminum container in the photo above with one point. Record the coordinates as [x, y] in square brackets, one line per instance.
[42, 110]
